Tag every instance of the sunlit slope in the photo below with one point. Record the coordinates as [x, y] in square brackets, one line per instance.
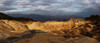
[73, 27]
[10, 28]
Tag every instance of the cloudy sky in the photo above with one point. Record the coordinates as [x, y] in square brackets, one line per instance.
[47, 7]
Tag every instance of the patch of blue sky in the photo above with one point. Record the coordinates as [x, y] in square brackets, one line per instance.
[23, 9]
[72, 9]
[13, 5]
[56, 4]
[44, 5]
[18, 8]
[78, 6]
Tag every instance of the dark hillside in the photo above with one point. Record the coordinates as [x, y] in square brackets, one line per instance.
[4, 16]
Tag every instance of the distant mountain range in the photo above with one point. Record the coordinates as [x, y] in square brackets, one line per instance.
[38, 17]
[4, 17]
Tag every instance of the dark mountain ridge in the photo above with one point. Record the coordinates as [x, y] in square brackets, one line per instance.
[4, 16]
[38, 17]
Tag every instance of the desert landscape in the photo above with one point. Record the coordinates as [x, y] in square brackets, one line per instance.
[27, 30]
[49, 21]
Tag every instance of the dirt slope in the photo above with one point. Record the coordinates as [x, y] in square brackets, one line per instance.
[12, 28]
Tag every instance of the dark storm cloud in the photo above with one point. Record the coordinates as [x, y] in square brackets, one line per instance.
[68, 7]
[89, 11]
[5, 5]
[8, 2]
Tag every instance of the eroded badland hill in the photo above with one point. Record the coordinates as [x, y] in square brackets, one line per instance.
[26, 30]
